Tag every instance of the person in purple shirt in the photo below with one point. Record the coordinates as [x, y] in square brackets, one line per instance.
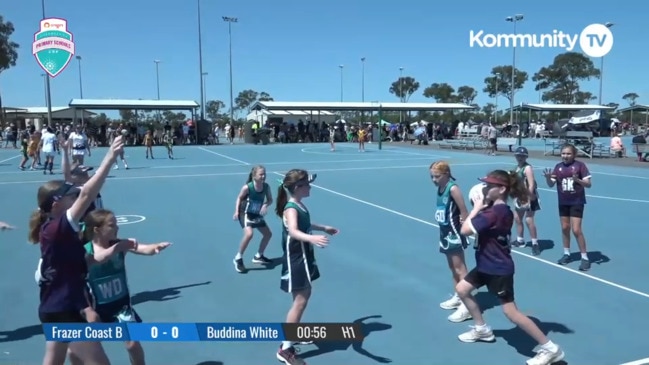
[55, 226]
[571, 178]
[491, 220]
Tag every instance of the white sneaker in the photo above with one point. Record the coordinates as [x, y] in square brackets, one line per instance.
[452, 303]
[461, 314]
[474, 335]
[116, 167]
[546, 357]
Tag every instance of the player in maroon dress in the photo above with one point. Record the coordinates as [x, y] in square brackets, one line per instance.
[571, 178]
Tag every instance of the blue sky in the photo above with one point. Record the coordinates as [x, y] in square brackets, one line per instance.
[292, 49]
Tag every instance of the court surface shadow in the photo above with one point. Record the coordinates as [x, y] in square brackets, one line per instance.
[22, 333]
[274, 262]
[211, 363]
[162, 295]
[523, 343]
[367, 328]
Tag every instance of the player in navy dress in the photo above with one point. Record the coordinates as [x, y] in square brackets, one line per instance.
[571, 178]
[299, 268]
[250, 208]
[450, 211]
[491, 219]
[55, 226]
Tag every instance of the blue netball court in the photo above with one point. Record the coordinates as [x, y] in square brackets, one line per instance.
[383, 270]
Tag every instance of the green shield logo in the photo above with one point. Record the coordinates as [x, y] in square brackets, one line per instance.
[53, 46]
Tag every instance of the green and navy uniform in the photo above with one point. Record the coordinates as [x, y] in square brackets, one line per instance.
[520, 171]
[299, 267]
[250, 209]
[447, 216]
[109, 289]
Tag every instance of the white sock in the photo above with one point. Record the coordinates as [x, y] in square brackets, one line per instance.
[481, 327]
[535, 241]
[584, 256]
[550, 346]
[286, 345]
[566, 251]
[238, 256]
[520, 239]
[258, 255]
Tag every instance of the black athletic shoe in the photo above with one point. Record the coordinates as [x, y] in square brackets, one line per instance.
[536, 250]
[564, 260]
[261, 260]
[289, 356]
[239, 266]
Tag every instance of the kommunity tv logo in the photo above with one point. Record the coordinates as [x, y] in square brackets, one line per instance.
[596, 40]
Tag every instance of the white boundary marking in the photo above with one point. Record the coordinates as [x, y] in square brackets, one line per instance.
[136, 219]
[10, 158]
[326, 151]
[403, 215]
[644, 361]
[224, 156]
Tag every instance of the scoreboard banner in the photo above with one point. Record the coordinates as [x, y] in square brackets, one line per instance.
[194, 332]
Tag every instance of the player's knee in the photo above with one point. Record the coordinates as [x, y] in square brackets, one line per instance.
[565, 227]
[247, 233]
[133, 346]
[529, 221]
[463, 289]
[577, 231]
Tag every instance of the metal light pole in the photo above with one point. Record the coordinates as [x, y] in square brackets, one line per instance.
[80, 80]
[363, 87]
[601, 69]
[44, 76]
[401, 94]
[341, 83]
[363, 79]
[514, 19]
[231, 20]
[204, 101]
[48, 93]
[200, 58]
[497, 80]
[157, 77]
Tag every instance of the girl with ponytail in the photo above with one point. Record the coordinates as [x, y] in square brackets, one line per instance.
[491, 220]
[299, 267]
[55, 227]
[249, 209]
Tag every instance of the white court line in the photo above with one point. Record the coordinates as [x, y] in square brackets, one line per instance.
[600, 173]
[644, 361]
[327, 151]
[10, 158]
[595, 278]
[224, 156]
[146, 177]
[604, 197]
[289, 163]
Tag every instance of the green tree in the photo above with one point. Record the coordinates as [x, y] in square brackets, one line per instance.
[173, 117]
[488, 110]
[8, 52]
[499, 83]
[560, 80]
[127, 115]
[245, 99]
[467, 95]
[630, 98]
[213, 109]
[442, 93]
[264, 96]
[404, 87]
